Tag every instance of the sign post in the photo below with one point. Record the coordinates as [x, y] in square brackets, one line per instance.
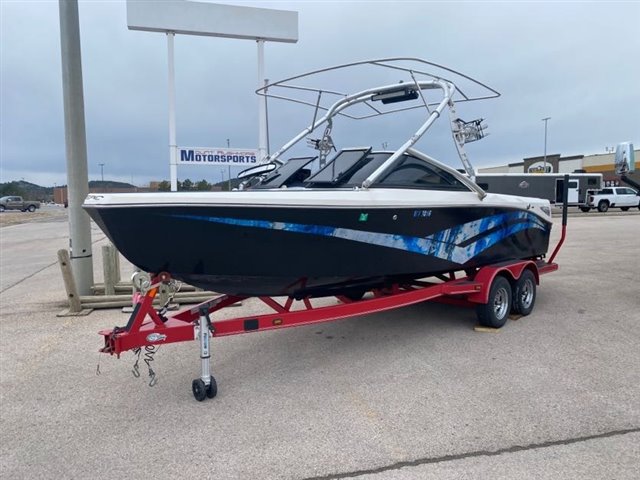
[173, 147]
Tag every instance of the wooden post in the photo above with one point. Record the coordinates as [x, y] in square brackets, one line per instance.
[111, 268]
[69, 282]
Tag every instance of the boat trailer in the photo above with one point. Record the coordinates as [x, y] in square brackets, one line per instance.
[488, 289]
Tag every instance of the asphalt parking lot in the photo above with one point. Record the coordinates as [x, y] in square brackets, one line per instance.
[410, 394]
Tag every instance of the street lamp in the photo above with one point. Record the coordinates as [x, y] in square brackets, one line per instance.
[545, 120]
[102, 171]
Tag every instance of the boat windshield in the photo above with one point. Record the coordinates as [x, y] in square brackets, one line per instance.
[342, 165]
[411, 172]
[354, 166]
[291, 174]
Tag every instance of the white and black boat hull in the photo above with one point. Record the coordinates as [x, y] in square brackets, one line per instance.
[298, 251]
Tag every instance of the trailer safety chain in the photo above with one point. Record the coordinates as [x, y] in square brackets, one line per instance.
[150, 351]
[98, 372]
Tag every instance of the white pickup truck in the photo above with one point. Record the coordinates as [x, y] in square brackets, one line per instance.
[623, 198]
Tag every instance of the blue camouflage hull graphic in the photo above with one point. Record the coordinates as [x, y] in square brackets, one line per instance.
[457, 244]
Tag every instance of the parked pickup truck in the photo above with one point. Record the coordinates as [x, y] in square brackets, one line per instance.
[17, 203]
[623, 198]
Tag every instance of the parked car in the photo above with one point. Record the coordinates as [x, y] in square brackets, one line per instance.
[17, 203]
[623, 198]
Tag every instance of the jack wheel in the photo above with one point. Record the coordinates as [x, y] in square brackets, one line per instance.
[524, 295]
[199, 389]
[495, 312]
[212, 389]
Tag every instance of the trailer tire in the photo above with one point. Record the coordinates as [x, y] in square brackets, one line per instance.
[603, 206]
[495, 312]
[524, 295]
[585, 209]
[2, 208]
[624, 209]
[199, 389]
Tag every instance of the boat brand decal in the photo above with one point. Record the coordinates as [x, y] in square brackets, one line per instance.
[363, 217]
[457, 244]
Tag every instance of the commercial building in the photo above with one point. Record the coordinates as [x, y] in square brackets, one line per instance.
[555, 163]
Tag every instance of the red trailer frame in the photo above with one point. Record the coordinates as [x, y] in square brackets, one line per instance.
[148, 328]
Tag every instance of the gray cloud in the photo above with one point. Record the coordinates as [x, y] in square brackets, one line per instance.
[574, 62]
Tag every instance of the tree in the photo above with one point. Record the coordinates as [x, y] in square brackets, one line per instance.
[11, 188]
[187, 185]
[164, 186]
[203, 186]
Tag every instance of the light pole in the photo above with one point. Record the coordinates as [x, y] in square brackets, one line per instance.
[102, 171]
[545, 120]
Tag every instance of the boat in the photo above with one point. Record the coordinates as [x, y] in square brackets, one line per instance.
[338, 222]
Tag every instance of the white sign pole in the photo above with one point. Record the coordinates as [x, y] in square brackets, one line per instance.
[173, 147]
[262, 110]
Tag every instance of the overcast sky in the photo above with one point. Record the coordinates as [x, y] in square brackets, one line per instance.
[576, 62]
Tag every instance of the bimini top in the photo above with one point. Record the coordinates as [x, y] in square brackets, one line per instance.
[427, 85]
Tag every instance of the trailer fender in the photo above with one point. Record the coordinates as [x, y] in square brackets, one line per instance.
[511, 272]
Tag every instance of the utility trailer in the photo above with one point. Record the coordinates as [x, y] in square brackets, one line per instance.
[494, 291]
[543, 185]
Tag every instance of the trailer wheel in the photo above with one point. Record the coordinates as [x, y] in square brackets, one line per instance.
[624, 209]
[2, 208]
[585, 209]
[199, 389]
[495, 312]
[524, 296]
[603, 206]
[212, 389]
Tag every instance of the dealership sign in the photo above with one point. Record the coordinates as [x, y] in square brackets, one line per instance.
[216, 156]
[540, 167]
